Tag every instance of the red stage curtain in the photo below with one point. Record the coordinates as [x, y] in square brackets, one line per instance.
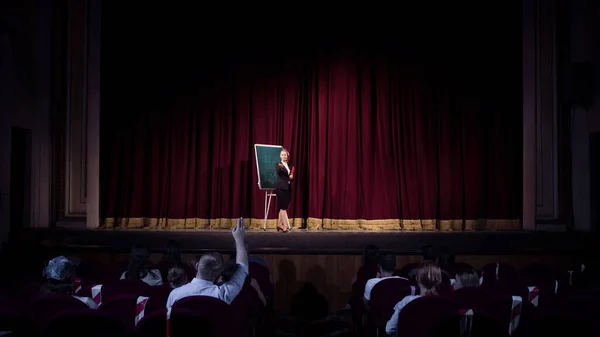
[380, 140]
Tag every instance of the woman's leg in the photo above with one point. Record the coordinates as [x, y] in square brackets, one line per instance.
[285, 220]
[280, 219]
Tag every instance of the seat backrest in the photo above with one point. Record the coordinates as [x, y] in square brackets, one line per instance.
[384, 296]
[121, 307]
[123, 287]
[186, 322]
[157, 295]
[85, 322]
[42, 309]
[430, 316]
[154, 324]
[219, 313]
[486, 301]
[262, 275]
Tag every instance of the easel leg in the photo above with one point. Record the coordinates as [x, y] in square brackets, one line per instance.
[268, 197]
[266, 211]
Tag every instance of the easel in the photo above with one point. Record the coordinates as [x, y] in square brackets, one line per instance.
[268, 196]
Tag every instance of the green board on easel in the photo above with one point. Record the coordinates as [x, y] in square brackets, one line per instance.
[267, 156]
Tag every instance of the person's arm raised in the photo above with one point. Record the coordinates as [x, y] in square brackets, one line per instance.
[230, 289]
[239, 234]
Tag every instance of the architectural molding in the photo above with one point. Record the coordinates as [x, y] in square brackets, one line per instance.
[93, 113]
[78, 129]
[540, 113]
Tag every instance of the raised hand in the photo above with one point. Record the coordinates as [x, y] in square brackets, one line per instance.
[239, 231]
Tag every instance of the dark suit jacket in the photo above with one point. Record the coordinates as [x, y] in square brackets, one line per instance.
[283, 177]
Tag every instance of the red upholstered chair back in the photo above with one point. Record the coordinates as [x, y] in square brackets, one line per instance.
[85, 322]
[224, 320]
[121, 307]
[123, 287]
[430, 316]
[384, 297]
[485, 301]
[42, 309]
[187, 322]
[154, 324]
[157, 297]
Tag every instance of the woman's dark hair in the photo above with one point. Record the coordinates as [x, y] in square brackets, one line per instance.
[371, 255]
[139, 265]
[230, 268]
[172, 252]
[176, 277]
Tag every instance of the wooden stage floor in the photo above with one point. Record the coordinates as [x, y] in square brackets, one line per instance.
[300, 241]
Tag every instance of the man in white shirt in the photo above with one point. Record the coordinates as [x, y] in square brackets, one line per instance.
[387, 265]
[210, 266]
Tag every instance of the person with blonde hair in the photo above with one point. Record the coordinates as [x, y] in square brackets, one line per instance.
[283, 189]
[429, 278]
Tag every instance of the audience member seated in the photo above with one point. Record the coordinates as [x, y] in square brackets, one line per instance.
[230, 268]
[60, 280]
[367, 271]
[429, 277]
[466, 278]
[210, 269]
[251, 259]
[428, 253]
[308, 304]
[140, 267]
[386, 266]
[446, 260]
[177, 277]
[172, 258]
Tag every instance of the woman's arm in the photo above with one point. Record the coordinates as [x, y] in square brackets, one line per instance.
[281, 171]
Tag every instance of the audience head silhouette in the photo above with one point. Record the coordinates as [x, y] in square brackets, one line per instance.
[466, 278]
[139, 263]
[387, 264]
[177, 277]
[429, 277]
[210, 267]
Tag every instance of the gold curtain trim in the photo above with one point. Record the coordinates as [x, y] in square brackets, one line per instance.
[316, 224]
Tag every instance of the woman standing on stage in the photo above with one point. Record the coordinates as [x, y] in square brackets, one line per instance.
[285, 175]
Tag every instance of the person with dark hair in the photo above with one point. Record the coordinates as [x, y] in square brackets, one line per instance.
[386, 266]
[60, 280]
[140, 267]
[176, 277]
[367, 271]
[172, 258]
